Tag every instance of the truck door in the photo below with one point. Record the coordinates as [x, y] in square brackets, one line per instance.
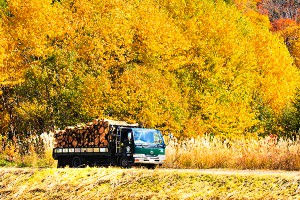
[124, 141]
[125, 150]
[127, 143]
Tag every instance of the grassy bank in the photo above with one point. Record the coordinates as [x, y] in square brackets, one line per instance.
[116, 183]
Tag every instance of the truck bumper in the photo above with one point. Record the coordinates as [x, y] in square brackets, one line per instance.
[143, 159]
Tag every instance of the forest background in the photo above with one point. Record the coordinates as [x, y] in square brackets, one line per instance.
[190, 67]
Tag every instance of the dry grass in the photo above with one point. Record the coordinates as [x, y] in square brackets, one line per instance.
[35, 151]
[193, 153]
[136, 183]
[239, 154]
[139, 183]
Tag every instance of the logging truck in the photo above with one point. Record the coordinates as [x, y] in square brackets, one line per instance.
[109, 143]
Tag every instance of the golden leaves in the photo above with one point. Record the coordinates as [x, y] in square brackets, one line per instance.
[198, 66]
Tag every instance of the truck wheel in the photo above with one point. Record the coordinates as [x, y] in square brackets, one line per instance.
[61, 163]
[124, 163]
[151, 166]
[76, 162]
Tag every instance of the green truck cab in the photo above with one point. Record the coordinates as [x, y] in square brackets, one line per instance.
[148, 147]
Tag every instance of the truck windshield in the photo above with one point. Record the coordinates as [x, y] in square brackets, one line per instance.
[148, 137]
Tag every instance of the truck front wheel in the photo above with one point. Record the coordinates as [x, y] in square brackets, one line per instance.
[76, 162]
[124, 163]
[151, 166]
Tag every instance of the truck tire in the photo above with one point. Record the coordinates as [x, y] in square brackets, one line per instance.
[124, 163]
[61, 163]
[76, 162]
[151, 166]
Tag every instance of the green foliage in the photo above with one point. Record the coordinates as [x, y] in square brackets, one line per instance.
[52, 93]
[3, 4]
[290, 120]
[230, 2]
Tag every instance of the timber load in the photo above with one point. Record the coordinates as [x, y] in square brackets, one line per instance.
[91, 134]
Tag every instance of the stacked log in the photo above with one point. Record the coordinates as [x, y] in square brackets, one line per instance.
[92, 134]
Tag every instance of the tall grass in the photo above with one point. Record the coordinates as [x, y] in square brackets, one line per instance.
[33, 151]
[203, 152]
[237, 154]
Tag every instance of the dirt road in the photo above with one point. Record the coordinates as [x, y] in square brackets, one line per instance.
[295, 174]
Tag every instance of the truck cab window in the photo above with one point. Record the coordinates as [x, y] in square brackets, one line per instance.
[147, 137]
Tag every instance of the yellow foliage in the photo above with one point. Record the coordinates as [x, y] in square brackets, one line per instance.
[275, 69]
[29, 28]
[194, 67]
[157, 39]
[148, 96]
[3, 46]
[4, 122]
[28, 111]
[95, 91]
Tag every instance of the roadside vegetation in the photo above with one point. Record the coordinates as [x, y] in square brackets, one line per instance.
[265, 153]
[269, 153]
[116, 183]
[221, 75]
[33, 175]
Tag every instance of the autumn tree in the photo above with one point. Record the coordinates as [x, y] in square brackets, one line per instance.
[191, 67]
[279, 9]
[220, 64]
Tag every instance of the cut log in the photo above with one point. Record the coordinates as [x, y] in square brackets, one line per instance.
[74, 143]
[95, 121]
[91, 134]
[105, 143]
[106, 130]
[101, 130]
[97, 141]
